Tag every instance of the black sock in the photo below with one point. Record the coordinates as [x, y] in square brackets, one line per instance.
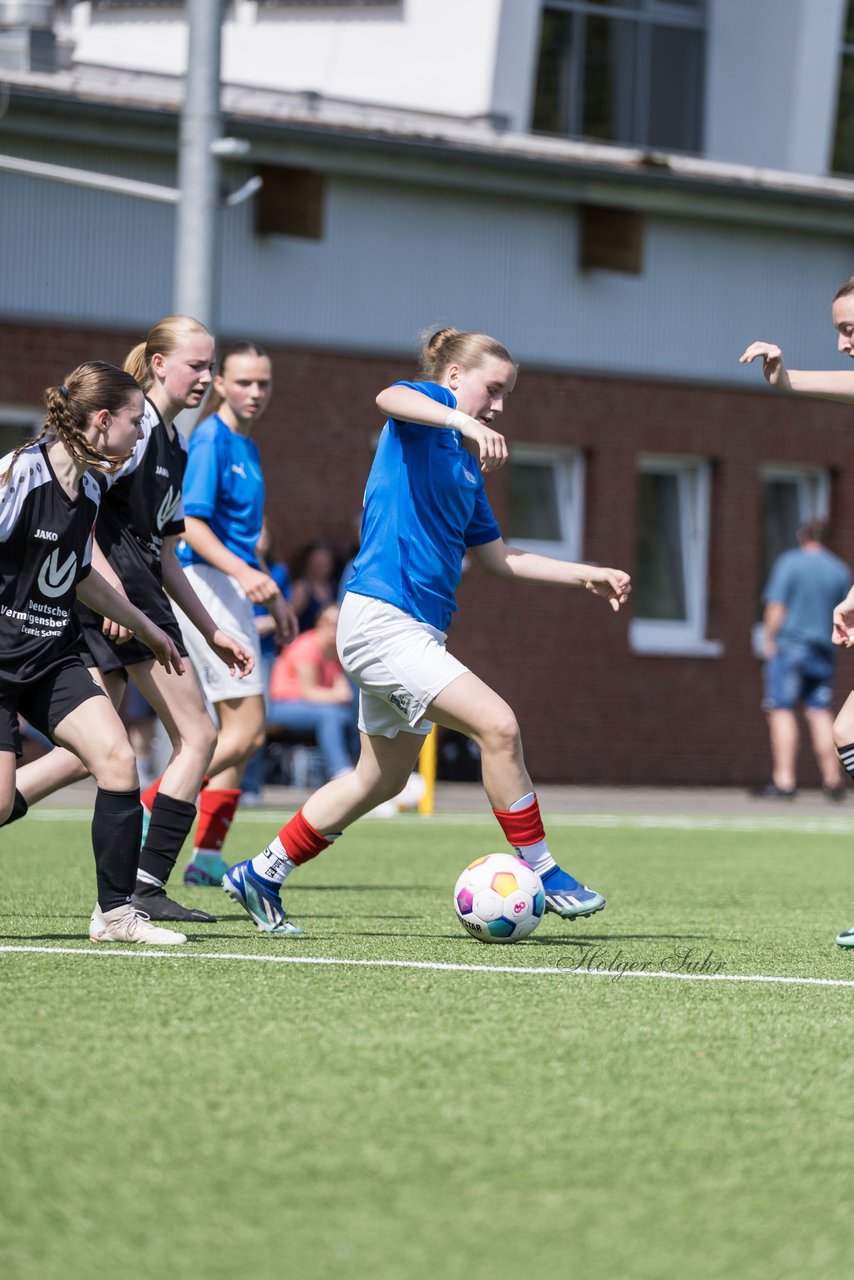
[171, 821]
[846, 758]
[116, 833]
[19, 808]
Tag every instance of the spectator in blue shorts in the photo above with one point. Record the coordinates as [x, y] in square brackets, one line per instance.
[805, 586]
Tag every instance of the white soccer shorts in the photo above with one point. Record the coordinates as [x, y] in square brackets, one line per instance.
[398, 663]
[231, 609]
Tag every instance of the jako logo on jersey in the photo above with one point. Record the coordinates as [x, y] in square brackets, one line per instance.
[55, 578]
[168, 507]
[237, 468]
[47, 535]
[401, 701]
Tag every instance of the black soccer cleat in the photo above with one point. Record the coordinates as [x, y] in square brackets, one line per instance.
[157, 905]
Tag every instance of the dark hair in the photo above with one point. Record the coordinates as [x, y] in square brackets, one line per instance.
[88, 388]
[214, 401]
[813, 530]
[453, 346]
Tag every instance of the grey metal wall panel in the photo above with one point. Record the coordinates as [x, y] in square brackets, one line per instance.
[395, 259]
[72, 254]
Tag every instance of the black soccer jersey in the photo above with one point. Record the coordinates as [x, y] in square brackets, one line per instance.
[45, 550]
[143, 504]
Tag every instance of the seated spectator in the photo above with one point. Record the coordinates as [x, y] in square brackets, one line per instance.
[309, 693]
[314, 583]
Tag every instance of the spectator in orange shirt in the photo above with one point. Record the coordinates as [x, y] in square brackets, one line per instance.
[309, 693]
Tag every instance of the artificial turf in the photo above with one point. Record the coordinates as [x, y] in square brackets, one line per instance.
[217, 1117]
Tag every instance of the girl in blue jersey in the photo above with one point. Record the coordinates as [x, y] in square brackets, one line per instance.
[140, 521]
[425, 507]
[49, 501]
[224, 508]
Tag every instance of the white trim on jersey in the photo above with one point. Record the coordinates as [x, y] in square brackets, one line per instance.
[29, 472]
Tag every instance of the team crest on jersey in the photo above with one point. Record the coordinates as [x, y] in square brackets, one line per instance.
[401, 701]
[56, 579]
[168, 507]
[161, 471]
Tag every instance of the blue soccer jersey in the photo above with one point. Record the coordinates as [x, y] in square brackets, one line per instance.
[224, 486]
[425, 503]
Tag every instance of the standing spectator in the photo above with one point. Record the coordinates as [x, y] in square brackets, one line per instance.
[804, 587]
[314, 584]
[309, 693]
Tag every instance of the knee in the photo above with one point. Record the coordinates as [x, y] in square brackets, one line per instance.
[843, 729]
[6, 806]
[117, 768]
[501, 734]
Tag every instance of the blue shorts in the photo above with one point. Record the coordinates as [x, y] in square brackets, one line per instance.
[799, 673]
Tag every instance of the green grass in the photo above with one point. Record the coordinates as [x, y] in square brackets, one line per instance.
[222, 1118]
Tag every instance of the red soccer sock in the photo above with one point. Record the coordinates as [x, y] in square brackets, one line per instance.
[216, 812]
[300, 841]
[522, 826]
[150, 793]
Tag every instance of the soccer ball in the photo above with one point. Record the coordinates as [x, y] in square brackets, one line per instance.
[499, 898]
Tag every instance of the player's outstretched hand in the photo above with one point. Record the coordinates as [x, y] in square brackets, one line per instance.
[612, 584]
[163, 648]
[773, 365]
[236, 656]
[843, 623]
[487, 444]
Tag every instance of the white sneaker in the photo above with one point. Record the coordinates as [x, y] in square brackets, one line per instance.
[123, 924]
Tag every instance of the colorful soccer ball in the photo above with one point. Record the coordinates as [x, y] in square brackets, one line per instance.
[499, 898]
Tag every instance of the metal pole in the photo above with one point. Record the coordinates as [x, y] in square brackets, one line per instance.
[198, 166]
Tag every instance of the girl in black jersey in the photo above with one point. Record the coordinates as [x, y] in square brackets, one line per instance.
[140, 521]
[49, 501]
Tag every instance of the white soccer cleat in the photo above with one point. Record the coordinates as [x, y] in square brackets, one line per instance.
[123, 924]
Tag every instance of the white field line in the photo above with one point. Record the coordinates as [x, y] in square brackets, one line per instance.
[272, 819]
[434, 966]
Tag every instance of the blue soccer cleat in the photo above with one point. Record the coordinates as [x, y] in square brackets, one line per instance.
[566, 897]
[259, 898]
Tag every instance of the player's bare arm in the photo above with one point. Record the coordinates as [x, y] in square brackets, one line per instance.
[828, 384]
[99, 595]
[503, 561]
[408, 405]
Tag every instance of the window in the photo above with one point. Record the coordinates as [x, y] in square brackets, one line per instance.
[790, 495]
[17, 425]
[546, 510]
[842, 160]
[671, 572]
[625, 71]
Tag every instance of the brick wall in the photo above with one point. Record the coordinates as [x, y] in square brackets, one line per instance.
[590, 710]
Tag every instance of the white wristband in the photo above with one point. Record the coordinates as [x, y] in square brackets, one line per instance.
[457, 420]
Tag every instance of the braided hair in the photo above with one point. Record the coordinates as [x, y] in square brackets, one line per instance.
[90, 387]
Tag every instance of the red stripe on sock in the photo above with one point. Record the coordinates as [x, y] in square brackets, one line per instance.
[522, 826]
[216, 811]
[300, 840]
